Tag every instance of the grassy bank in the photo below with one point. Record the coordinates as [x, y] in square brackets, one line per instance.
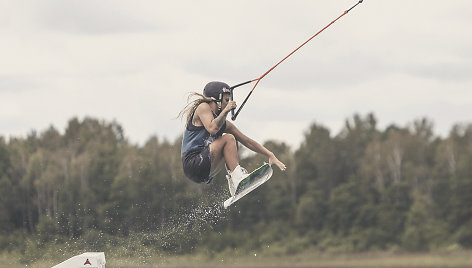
[461, 259]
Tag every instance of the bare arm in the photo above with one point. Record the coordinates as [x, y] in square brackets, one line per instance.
[211, 124]
[253, 145]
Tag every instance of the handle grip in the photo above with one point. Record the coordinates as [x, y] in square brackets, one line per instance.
[231, 98]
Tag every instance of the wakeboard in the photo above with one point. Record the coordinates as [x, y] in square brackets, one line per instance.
[251, 182]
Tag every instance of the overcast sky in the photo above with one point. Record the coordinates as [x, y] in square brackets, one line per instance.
[135, 62]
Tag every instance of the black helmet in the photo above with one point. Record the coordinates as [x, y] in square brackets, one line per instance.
[215, 90]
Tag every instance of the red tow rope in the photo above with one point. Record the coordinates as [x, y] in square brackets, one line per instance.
[233, 114]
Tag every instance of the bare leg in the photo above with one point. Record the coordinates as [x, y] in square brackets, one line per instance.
[217, 167]
[224, 150]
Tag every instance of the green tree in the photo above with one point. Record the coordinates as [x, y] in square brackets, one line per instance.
[418, 228]
[6, 191]
[315, 162]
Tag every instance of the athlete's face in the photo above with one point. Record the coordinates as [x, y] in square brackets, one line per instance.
[224, 102]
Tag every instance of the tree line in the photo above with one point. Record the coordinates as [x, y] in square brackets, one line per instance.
[361, 189]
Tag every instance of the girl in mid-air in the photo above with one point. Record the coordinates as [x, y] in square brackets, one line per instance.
[210, 141]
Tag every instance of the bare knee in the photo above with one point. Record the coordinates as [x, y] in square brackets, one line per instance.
[229, 139]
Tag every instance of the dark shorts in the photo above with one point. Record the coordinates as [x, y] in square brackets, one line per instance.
[197, 165]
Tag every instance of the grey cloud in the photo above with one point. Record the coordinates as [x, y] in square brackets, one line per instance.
[346, 70]
[351, 69]
[15, 83]
[89, 17]
[456, 72]
[219, 69]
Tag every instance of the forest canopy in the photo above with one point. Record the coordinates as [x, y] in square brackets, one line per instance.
[361, 189]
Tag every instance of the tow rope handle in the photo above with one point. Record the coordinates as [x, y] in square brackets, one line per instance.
[234, 115]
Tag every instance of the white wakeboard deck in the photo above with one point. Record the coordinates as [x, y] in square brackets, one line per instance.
[258, 177]
[88, 259]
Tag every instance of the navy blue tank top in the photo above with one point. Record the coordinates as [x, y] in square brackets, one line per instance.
[196, 138]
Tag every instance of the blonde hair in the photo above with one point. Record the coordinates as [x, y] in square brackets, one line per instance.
[192, 105]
